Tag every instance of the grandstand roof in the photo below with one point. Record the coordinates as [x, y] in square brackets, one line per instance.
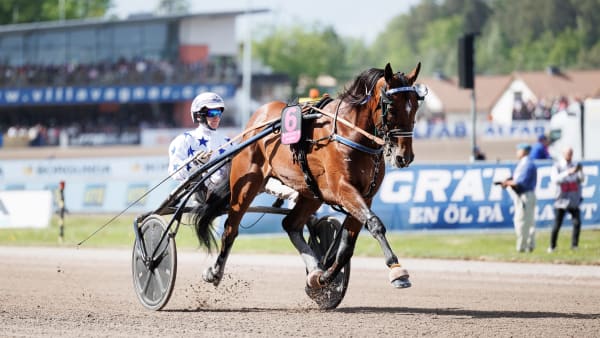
[489, 88]
[568, 83]
[136, 18]
[456, 99]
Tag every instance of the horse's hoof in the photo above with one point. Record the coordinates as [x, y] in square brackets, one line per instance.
[401, 283]
[399, 277]
[313, 279]
[210, 277]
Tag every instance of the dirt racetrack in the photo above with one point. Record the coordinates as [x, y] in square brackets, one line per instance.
[88, 292]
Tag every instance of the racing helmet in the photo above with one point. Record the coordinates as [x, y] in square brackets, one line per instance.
[204, 101]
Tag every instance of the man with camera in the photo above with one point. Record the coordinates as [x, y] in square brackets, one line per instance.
[521, 187]
[568, 177]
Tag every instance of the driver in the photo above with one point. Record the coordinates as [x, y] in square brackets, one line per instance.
[206, 142]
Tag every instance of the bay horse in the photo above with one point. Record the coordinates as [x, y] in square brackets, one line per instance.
[344, 164]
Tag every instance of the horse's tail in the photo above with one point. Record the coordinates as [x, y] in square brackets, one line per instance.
[217, 203]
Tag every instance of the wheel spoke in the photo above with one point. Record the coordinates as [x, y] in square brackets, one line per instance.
[146, 283]
[159, 259]
[159, 280]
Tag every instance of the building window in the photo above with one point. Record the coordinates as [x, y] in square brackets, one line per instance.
[11, 50]
[82, 46]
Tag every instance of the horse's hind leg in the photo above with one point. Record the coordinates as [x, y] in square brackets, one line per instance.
[293, 224]
[214, 274]
[345, 250]
[242, 192]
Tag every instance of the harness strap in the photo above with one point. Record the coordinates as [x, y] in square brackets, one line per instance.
[400, 133]
[310, 180]
[300, 150]
[357, 146]
[371, 137]
[335, 118]
[376, 164]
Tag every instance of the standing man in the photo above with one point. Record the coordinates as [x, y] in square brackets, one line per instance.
[522, 190]
[568, 177]
[539, 151]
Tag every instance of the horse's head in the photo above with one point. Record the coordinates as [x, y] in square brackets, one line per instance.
[399, 101]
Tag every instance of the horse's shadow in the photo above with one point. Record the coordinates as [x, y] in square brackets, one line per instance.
[451, 312]
[454, 312]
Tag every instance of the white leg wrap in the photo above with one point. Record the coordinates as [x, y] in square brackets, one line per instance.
[397, 272]
[276, 188]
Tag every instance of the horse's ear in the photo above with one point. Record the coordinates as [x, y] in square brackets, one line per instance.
[388, 73]
[412, 77]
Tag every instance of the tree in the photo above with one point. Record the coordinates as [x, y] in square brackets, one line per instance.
[493, 52]
[437, 53]
[540, 33]
[173, 6]
[301, 52]
[515, 34]
[474, 14]
[429, 32]
[528, 20]
[358, 58]
[394, 45]
[565, 49]
[19, 11]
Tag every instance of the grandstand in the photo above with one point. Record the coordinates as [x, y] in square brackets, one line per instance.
[100, 81]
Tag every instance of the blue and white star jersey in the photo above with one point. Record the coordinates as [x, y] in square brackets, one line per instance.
[188, 144]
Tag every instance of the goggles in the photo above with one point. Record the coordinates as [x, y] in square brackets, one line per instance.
[214, 112]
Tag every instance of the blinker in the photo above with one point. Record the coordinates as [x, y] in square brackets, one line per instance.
[420, 89]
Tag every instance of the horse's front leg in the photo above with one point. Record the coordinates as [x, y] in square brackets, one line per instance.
[398, 275]
[359, 209]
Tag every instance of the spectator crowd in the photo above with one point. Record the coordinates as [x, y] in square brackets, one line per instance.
[542, 110]
[122, 127]
[19, 127]
[120, 72]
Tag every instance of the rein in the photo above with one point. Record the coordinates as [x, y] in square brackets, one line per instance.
[368, 135]
[384, 103]
[190, 160]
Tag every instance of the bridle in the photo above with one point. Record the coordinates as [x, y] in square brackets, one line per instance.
[384, 104]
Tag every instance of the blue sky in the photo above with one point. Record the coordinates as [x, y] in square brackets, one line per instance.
[357, 19]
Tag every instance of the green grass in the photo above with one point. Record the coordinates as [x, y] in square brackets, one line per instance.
[492, 246]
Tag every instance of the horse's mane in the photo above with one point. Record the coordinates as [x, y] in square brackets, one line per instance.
[363, 85]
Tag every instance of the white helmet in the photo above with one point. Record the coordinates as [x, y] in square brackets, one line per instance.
[206, 100]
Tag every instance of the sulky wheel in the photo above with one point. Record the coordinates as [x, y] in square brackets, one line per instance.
[322, 240]
[154, 279]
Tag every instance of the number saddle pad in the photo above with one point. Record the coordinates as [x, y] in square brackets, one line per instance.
[291, 124]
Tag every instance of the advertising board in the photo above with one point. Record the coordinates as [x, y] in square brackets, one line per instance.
[421, 197]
